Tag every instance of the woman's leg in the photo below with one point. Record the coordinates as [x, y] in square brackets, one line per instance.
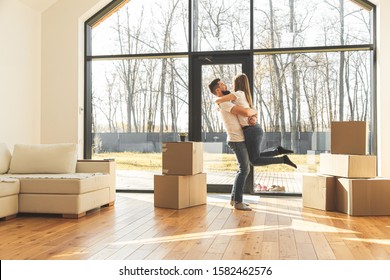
[275, 151]
[253, 138]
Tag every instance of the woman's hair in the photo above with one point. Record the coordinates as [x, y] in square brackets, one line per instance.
[241, 82]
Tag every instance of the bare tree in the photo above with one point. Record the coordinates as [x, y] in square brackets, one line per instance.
[128, 41]
[109, 104]
[295, 84]
[278, 77]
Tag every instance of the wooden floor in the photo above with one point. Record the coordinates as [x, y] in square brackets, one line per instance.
[277, 228]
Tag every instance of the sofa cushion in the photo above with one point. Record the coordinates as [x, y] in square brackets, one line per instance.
[62, 183]
[5, 158]
[44, 158]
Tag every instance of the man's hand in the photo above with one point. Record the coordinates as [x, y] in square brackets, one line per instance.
[252, 120]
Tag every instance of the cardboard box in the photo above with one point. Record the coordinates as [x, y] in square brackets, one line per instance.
[182, 158]
[363, 197]
[319, 191]
[178, 192]
[349, 166]
[349, 138]
[198, 189]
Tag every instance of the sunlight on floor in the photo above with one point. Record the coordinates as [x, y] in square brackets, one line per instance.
[316, 227]
[370, 240]
[296, 225]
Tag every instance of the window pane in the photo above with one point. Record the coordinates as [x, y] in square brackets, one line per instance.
[303, 23]
[221, 25]
[304, 95]
[140, 95]
[143, 27]
[136, 105]
[297, 103]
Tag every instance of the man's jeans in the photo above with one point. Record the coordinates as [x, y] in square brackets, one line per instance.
[253, 137]
[239, 148]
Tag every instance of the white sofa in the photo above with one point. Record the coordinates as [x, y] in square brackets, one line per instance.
[48, 178]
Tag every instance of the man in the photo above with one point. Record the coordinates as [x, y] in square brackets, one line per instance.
[236, 141]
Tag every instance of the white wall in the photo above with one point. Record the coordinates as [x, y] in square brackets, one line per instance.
[62, 69]
[20, 73]
[383, 9]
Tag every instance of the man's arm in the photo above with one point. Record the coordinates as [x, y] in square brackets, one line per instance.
[228, 97]
[238, 110]
[245, 112]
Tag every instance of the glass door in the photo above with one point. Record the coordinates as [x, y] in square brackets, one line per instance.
[219, 161]
[207, 127]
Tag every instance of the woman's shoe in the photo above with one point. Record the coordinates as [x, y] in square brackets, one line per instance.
[283, 151]
[286, 160]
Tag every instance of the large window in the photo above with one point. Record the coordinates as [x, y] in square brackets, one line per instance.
[311, 62]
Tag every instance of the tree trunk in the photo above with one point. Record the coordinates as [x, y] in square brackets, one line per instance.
[295, 86]
[162, 94]
[342, 61]
[280, 107]
[195, 25]
[328, 91]
[174, 116]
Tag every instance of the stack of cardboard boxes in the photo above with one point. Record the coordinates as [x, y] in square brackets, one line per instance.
[182, 183]
[347, 180]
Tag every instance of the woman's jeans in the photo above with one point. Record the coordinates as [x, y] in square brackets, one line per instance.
[241, 152]
[253, 137]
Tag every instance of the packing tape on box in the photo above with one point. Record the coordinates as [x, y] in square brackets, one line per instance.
[164, 147]
[165, 171]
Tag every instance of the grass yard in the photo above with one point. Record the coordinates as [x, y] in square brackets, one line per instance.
[212, 162]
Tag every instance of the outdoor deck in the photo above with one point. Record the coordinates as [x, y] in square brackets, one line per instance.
[143, 180]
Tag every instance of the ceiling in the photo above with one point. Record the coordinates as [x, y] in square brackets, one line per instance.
[38, 5]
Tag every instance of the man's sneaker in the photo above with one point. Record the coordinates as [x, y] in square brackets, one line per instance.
[232, 202]
[242, 206]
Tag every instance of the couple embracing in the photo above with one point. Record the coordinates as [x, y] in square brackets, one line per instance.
[244, 134]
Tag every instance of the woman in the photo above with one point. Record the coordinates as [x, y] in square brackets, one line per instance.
[253, 133]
